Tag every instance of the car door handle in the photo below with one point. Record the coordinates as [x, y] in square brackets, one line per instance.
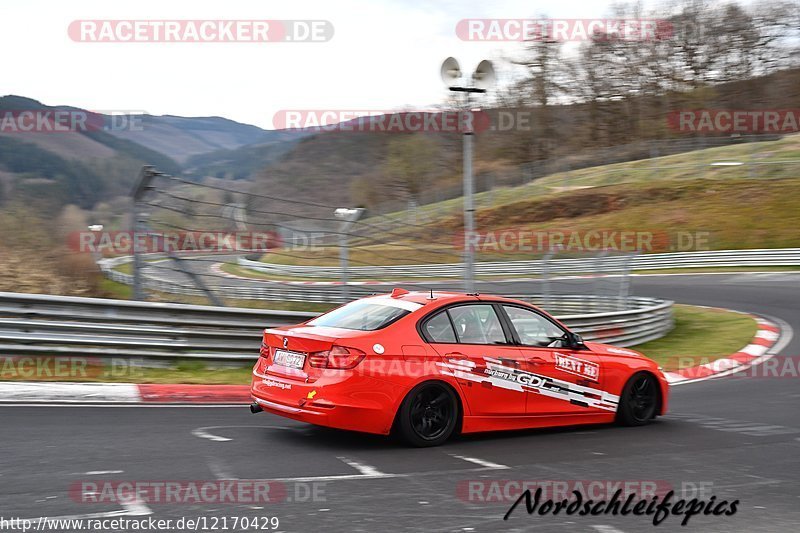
[459, 354]
[537, 361]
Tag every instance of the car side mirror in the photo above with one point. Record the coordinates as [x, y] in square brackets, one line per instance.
[575, 340]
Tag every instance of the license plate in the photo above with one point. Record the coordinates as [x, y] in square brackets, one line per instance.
[289, 359]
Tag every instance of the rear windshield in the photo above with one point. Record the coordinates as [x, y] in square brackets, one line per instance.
[362, 315]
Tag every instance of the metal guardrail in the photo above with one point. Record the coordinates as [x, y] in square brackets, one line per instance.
[703, 259]
[62, 325]
[256, 289]
[332, 294]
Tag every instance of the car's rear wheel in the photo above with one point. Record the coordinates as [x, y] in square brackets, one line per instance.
[428, 415]
[639, 400]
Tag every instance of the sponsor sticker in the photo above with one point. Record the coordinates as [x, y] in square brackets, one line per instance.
[278, 384]
[523, 378]
[577, 366]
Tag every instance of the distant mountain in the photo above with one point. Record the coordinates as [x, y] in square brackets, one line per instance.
[244, 162]
[82, 166]
[100, 161]
[183, 137]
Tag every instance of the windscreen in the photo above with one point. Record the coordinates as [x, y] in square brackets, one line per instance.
[363, 315]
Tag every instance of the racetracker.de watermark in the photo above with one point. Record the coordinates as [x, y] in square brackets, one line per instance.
[193, 492]
[69, 121]
[563, 30]
[402, 121]
[735, 120]
[381, 121]
[521, 240]
[775, 367]
[124, 242]
[200, 31]
[43, 368]
[509, 490]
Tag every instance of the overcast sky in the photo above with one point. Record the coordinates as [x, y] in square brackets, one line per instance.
[385, 54]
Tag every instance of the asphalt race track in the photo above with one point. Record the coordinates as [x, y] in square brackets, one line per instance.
[736, 438]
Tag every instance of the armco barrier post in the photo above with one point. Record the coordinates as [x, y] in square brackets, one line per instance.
[348, 216]
[625, 280]
[139, 227]
[546, 279]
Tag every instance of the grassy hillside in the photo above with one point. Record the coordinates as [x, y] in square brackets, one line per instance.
[769, 159]
[735, 207]
[736, 214]
[350, 168]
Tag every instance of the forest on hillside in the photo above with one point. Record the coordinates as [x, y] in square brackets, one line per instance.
[600, 101]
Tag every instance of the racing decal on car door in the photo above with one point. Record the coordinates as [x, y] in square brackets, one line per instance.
[577, 366]
[493, 371]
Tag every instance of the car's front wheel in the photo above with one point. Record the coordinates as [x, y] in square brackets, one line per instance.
[639, 400]
[428, 415]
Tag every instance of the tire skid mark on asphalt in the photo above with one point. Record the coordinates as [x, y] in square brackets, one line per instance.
[365, 471]
[219, 470]
[134, 508]
[606, 529]
[749, 428]
[481, 462]
[362, 468]
[380, 475]
[765, 483]
[205, 432]
[761, 277]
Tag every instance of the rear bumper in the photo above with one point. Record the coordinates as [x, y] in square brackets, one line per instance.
[341, 401]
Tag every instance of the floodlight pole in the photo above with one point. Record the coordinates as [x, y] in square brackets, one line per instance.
[469, 215]
[469, 189]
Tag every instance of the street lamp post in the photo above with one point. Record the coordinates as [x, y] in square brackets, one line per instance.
[482, 79]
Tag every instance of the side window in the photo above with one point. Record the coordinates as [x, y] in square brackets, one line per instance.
[477, 324]
[532, 328]
[439, 329]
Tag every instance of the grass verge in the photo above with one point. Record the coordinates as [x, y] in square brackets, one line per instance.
[701, 335]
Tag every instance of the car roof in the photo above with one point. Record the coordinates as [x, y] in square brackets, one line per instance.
[443, 297]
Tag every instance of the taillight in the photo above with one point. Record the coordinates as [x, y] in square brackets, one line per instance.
[264, 352]
[338, 357]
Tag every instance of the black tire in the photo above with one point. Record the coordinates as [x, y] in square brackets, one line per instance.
[639, 400]
[428, 415]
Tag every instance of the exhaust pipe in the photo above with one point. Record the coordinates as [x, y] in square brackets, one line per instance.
[255, 408]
